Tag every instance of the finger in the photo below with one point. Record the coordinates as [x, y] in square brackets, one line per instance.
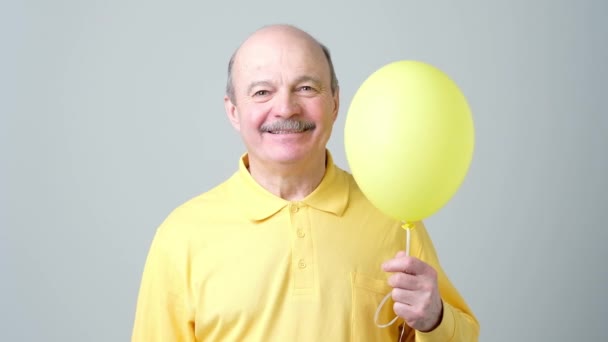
[400, 254]
[394, 265]
[420, 315]
[406, 297]
[405, 264]
[407, 312]
[404, 281]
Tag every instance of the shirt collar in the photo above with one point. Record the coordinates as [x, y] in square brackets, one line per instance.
[330, 196]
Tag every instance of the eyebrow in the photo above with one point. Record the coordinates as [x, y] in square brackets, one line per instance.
[257, 84]
[307, 78]
[301, 79]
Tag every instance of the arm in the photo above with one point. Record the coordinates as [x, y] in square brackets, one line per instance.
[424, 296]
[163, 312]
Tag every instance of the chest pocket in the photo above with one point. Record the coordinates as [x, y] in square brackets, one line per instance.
[367, 293]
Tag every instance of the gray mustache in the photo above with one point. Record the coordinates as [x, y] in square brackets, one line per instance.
[287, 125]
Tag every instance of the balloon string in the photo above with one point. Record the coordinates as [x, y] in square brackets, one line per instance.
[407, 240]
[408, 227]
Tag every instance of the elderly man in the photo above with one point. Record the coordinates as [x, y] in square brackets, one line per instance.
[288, 248]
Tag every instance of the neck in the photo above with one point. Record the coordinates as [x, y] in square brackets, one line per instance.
[292, 181]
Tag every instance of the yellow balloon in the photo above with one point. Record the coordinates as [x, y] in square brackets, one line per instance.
[409, 139]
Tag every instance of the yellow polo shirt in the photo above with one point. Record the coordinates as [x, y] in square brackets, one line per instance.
[240, 264]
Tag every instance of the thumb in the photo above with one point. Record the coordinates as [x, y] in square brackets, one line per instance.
[400, 254]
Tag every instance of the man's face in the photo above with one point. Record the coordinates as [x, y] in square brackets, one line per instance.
[284, 108]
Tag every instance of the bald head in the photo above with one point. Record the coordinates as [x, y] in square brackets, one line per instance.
[278, 35]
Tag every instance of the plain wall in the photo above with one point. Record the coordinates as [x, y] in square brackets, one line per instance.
[111, 115]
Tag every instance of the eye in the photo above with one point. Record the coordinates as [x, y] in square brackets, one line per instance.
[261, 93]
[307, 88]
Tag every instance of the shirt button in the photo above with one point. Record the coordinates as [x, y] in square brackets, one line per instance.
[294, 208]
[301, 264]
[301, 233]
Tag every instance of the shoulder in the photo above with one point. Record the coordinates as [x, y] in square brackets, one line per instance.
[199, 211]
[379, 225]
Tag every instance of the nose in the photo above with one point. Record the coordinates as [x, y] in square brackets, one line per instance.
[286, 104]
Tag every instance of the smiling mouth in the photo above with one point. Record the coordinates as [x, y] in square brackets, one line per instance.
[288, 131]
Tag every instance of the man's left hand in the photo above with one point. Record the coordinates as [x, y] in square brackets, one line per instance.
[415, 292]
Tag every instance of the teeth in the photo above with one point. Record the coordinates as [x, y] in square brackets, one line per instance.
[286, 132]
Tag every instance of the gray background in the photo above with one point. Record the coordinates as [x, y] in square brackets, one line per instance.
[112, 115]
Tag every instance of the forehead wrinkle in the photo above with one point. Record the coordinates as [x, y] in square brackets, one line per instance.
[256, 59]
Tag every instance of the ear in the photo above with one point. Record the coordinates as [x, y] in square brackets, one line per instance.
[336, 98]
[232, 112]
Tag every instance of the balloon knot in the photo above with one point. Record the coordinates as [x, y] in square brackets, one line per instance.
[408, 225]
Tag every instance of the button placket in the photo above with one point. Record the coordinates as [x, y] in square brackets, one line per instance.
[302, 249]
